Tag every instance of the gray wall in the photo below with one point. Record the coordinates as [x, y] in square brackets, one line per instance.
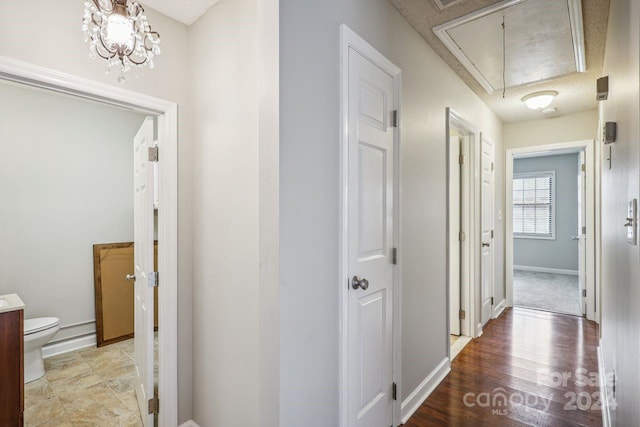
[562, 252]
[66, 183]
[620, 184]
[309, 189]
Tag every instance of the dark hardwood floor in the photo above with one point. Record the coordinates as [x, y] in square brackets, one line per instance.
[529, 368]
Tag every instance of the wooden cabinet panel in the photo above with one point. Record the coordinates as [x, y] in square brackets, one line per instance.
[11, 368]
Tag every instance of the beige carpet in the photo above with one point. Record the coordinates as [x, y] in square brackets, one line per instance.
[545, 291]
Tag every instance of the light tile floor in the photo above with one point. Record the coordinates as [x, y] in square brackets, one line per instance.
[89, 387]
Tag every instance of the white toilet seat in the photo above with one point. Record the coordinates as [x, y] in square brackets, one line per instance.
[32, 326]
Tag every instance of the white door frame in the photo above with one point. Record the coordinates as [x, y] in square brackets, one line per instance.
[470, 326]
[167, 114]
[349, 39]
[588, 146]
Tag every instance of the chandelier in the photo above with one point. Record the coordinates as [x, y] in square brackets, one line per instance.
[118, 31]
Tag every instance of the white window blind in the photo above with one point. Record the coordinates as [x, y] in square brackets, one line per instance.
[534, 205]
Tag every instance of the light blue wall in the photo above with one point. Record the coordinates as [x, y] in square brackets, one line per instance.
[562, 252]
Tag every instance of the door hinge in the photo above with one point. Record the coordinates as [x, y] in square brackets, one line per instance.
[461, 159]
[584, 230]
[461, 236]
[463, 314]
[492, 234]
[153, 279]
[394, 118]
[584, 292]
[613, 385]
[492, 166]
[492, 300]
[394, 256]
[153, 153]
[394, 391]
[584, 167]
[154, 406]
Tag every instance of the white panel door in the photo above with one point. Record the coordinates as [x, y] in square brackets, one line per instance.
[487, 249]
[370, 225]
[143, 261]
[582, 237]
[454, 235]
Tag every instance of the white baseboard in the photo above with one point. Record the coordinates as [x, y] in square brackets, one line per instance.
[545, 270]
[65, 346]
[411, 404]
[604, 397]
[499, 309]
[189, 423]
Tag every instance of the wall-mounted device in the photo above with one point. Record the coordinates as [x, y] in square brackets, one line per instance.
[632, 222]
[610, 131]
[602, 86]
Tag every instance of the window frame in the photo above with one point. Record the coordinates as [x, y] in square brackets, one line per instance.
[537, 174]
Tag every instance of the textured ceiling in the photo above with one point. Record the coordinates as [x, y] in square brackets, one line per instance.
[576, 91]
[185, 11]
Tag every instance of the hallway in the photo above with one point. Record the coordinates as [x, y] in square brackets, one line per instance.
[526, 369]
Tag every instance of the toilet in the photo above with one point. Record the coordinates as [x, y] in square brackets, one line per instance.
[37, 332]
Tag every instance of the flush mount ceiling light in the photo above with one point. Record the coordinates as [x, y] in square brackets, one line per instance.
[118, 31]
[539, 100]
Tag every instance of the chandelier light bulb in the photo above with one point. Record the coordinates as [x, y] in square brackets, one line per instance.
[119, 31]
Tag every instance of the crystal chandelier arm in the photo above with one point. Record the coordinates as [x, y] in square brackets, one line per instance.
[109, 53]
[100, 7]
[149, 39]
[136, 9]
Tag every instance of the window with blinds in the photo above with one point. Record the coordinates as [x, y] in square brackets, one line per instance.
[534, 205]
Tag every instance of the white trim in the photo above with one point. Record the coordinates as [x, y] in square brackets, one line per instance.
[470, 245]
[349, 39]
[189, 423]
[68, 345]
[577, 38]
[499, 309]
[545, 270]
[417, 397]
[604, 396]
[167, 112]
[459, 345]
[592, 207]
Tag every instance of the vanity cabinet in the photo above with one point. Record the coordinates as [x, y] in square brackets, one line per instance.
[11, 368]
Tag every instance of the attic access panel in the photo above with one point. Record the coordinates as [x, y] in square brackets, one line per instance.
[543, 39]
[442, 4]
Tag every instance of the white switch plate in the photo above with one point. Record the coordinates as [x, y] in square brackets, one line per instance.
[632, 222]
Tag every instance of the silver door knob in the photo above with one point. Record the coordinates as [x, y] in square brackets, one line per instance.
[359, 283]
[575, 237]
[485, 245]
[130, 277]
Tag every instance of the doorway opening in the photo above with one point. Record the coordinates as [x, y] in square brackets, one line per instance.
[550, 228]
[166, 116]
[462, 225]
